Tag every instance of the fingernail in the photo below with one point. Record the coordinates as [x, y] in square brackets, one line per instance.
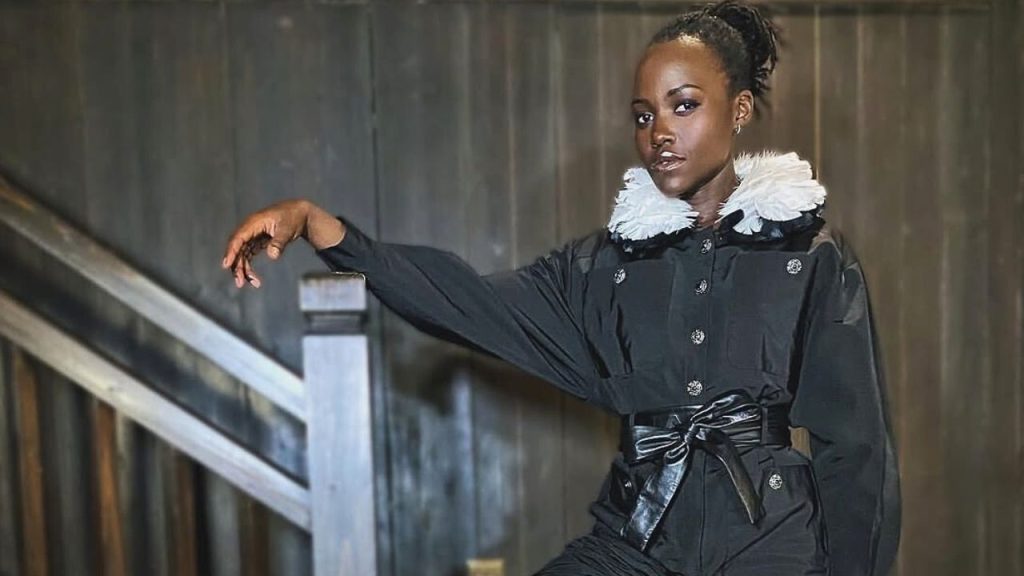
[274, 252]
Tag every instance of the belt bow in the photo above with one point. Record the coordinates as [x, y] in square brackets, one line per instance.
[716, 427]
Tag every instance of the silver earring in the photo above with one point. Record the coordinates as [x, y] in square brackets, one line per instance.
[737, 129]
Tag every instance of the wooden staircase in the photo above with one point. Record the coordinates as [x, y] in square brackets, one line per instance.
[332, 398]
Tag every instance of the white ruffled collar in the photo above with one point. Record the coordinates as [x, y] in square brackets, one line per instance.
[776, 187]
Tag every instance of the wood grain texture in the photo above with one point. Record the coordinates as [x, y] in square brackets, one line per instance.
[35, 543]
[493, 129]
[589, 437]
[150, 300]
[424, 194]
[10, 513]
[174, 425]
[341, 455]
[1002, 525]
[111, 554]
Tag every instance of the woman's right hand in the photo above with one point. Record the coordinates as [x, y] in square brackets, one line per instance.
[272, 229]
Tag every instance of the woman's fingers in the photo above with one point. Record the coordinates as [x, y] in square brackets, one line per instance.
[242, 268]
[271, 229]
[239, 271]
[249, 229]
[250, 274]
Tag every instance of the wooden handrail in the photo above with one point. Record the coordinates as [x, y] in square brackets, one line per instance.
[75, 249]
[159, 415]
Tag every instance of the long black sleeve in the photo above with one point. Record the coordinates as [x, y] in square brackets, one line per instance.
[528, 316]
[841, 400]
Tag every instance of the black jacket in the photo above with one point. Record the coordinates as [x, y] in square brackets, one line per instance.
[782, 315]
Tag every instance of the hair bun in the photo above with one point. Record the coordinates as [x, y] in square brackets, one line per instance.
[759, 35]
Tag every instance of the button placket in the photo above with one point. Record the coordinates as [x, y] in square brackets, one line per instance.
[702, 306]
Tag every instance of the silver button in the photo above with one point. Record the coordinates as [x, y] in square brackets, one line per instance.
[775, 481]
[620, 275]
[794, 266]
[694, 387]
[706, 246]
[697, 336]
[702, 287]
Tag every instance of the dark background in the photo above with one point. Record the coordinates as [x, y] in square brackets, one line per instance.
[497, 130]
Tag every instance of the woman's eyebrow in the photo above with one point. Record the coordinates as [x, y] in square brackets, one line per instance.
[670, 93]
[680, 88]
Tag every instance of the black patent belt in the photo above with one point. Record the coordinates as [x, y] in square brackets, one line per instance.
[670, 436]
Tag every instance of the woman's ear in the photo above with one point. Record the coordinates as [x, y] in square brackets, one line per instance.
[743, 108]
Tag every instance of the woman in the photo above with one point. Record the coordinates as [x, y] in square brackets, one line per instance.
[717, 309]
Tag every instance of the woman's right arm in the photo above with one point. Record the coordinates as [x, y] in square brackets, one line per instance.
[528, 316]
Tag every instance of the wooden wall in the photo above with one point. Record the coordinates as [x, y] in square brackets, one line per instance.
[496, 130]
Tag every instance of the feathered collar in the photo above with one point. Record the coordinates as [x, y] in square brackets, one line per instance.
[776, 195]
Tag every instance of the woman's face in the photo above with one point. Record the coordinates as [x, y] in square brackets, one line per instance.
[684, 115]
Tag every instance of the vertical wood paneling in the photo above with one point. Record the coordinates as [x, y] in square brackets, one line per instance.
[485, 149]
[43, 130]
[498, 131]
[787, 122]
[105, 508]
[589, 437]
[924, 476]
[63, 409]
[963, 192]
[1004, 499]
[182, 505]
[34, 538]
[420, 54]
[301, 117]
[10, 520]
[533, 185]
[155, 146]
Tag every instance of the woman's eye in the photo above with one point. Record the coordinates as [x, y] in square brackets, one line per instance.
[686, 106]
[644, 118]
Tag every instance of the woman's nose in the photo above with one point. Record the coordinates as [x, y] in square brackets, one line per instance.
[661, 137]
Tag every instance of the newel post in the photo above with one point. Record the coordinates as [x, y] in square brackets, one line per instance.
[339, 427]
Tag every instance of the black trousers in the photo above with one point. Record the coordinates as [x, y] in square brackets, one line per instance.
[717, 540]
[593, 555]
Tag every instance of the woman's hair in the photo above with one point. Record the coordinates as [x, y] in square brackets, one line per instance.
[743, 38]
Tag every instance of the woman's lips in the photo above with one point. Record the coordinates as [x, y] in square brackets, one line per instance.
[667, 164]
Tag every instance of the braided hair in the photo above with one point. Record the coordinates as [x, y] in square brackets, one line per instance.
[744, 39]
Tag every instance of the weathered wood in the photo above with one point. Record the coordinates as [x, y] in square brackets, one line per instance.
[925, 478]
[423, 198]
[111, 556]
[149, 299]
[64, 430]
[220, 504]
[163, 418]
[10, 518]
[533, 231]
[35, 560]
[1004, 518]
[322, 149]
[323, 293]
[340, 430]
[488, 412]
[962, 169]
[159, 122]
[589, 438]
[255, 547]
[183, 518]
